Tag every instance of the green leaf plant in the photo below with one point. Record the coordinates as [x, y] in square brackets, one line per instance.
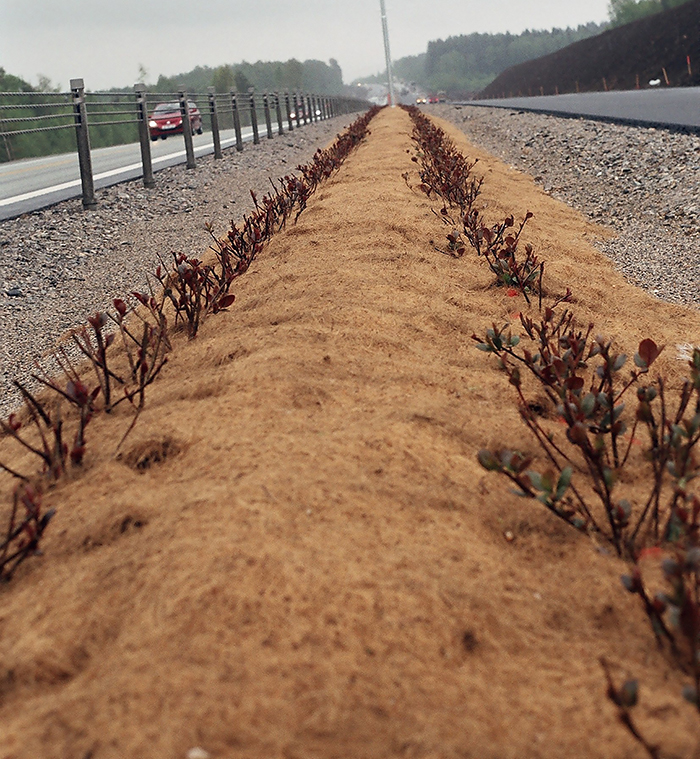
[447, 174]
[584, 380]
[604, 416]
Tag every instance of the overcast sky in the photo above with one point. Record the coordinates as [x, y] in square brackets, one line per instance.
[104, 41]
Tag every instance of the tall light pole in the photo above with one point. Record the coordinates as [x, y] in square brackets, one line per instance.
[387, 54]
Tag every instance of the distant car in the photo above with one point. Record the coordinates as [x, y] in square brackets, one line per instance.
[433, 99]
[420, 101]
[166, 119]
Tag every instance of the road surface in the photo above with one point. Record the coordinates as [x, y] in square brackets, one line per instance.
[677, 107]
[34, 183]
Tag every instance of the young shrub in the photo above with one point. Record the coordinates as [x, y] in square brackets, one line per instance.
[446, 173]
[583, 378]
[24, 529]
[625, 697]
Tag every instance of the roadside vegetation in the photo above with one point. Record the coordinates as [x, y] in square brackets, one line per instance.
[604, 430]
[602, 427]
[124, 351]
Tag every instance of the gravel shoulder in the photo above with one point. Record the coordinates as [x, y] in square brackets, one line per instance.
[60, 264]
[639, 182]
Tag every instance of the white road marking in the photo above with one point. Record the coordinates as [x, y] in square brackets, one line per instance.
[108, 174]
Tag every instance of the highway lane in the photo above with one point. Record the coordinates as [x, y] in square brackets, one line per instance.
[667, 107]
[34, 183]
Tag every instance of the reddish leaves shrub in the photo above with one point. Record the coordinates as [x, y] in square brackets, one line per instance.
[194, 289]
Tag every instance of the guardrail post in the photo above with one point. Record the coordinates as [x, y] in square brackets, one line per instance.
[314, 104]
[326, 114]
[144, 135]
[278, 108]
[254, 117]
[214, 114]
[186, 127]
[289, 111]
[296, 109]
[82, 135]
[268, 120]
[305, 102]
[236, 120]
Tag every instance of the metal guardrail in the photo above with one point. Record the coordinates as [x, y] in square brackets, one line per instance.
[86, 112]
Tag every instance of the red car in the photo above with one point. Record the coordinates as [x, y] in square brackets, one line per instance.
[166, 119]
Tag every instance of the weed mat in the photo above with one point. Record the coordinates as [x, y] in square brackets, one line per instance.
[296, 553]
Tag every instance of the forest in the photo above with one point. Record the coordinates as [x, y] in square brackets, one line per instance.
[625, 11]
[465, 64]
[264, 76]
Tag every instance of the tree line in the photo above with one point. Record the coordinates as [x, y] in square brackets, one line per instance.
[465, 64]
[625, 11]
[264, 76]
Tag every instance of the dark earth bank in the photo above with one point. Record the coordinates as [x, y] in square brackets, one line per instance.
[623, 58]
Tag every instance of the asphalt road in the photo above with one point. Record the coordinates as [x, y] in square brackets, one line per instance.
[35, 183]
[666, 107]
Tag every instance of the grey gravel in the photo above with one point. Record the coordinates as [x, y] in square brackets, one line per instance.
[61, 264]
[641, 182]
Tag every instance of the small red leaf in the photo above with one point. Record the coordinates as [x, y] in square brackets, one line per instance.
[226, 301]
[649, 351]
